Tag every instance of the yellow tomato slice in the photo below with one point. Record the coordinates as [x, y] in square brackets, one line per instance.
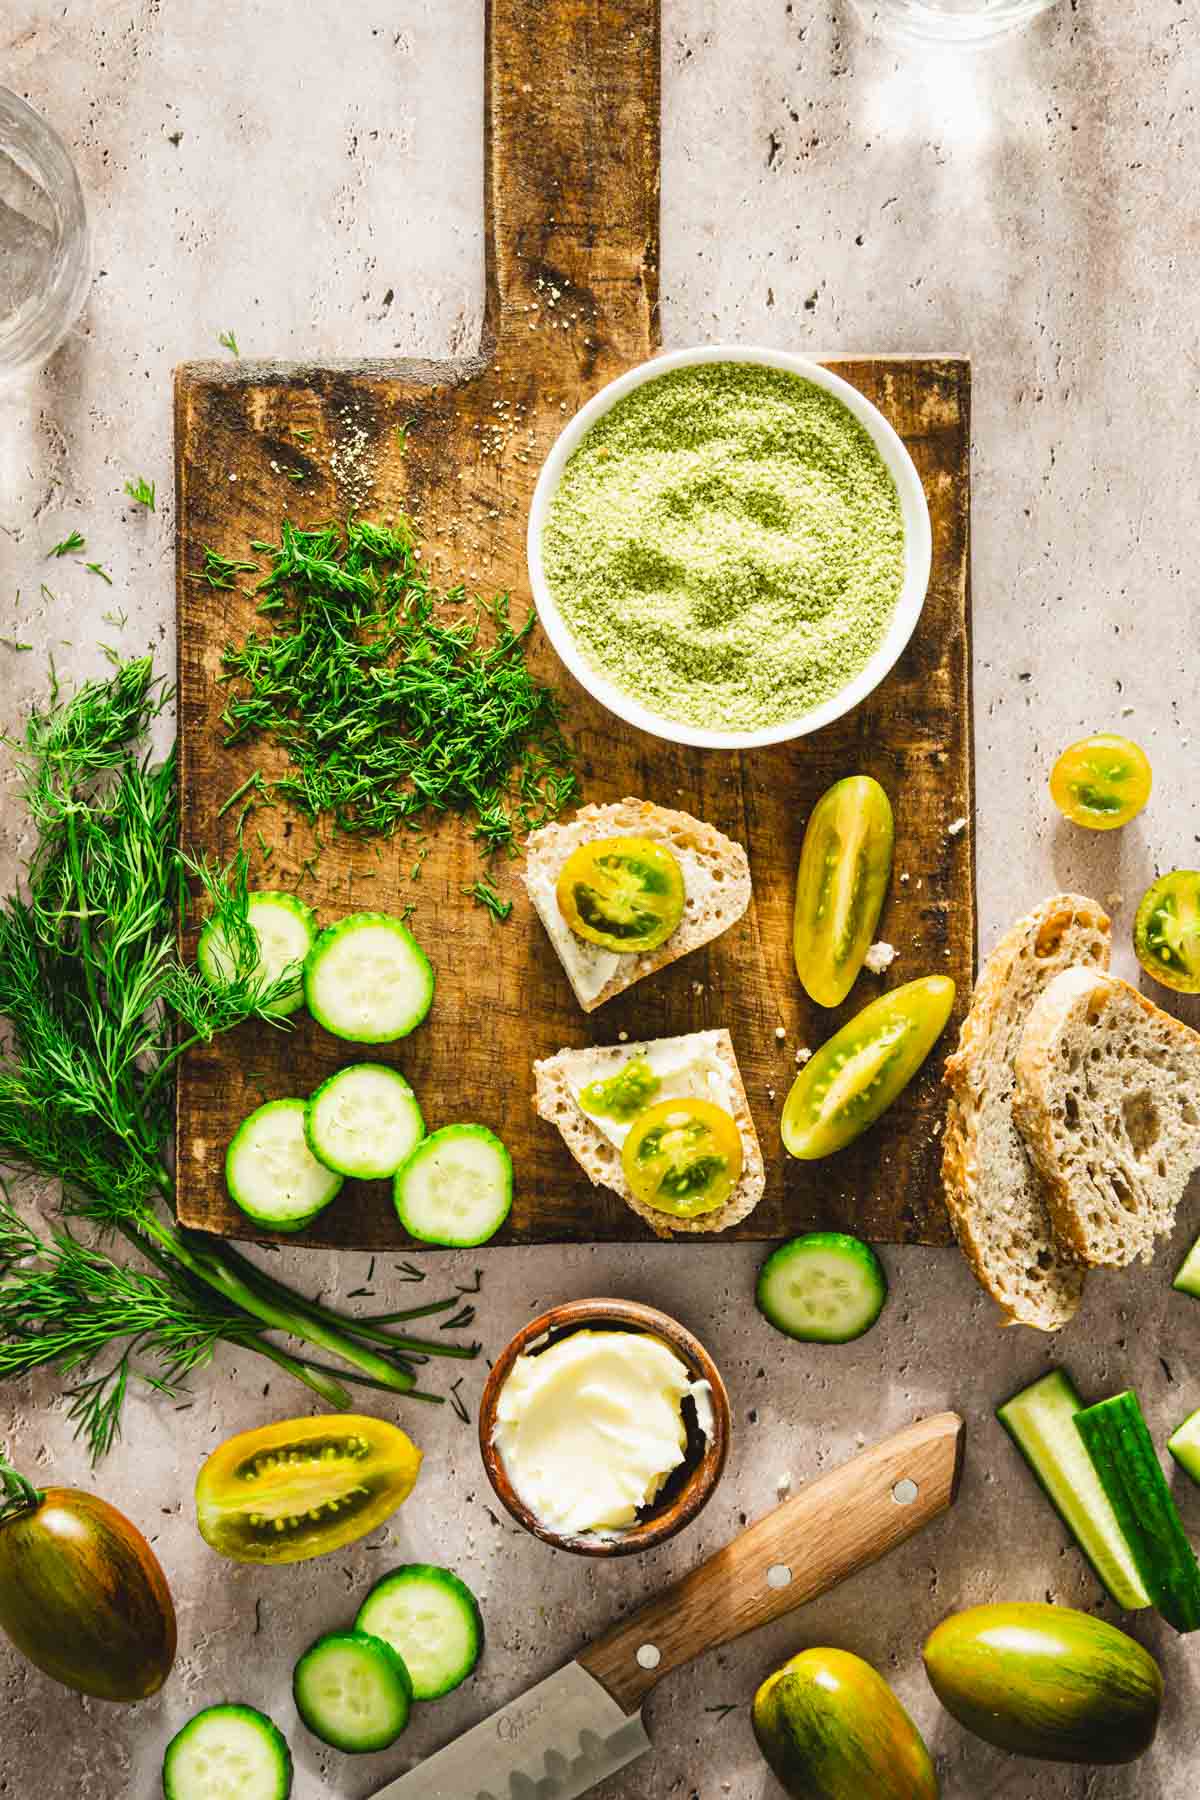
[1101, 782]
[1166, 931]
[683, 1157]
[303, 1487]
[624, 893]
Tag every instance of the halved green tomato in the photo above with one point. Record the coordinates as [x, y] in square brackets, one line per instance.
[683, 1157]
[301, 1488]
[1102, 781]
[845, 863]
[855, 1076]
[625, 893]
[1166, 931]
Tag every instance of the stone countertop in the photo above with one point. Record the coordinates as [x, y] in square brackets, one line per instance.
[313, 185]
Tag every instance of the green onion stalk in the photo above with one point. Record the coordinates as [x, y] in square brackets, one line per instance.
[98, 1008]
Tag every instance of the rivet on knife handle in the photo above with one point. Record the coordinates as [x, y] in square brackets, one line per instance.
[832, 1527]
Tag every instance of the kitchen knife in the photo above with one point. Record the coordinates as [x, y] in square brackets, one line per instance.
[585, 1722]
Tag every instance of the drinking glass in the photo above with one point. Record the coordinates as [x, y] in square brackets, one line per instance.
[45, 260]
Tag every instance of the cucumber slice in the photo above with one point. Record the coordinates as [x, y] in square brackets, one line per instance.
[1188, 1278]
[1122, 1451]
[364, 1121]
[368, 979]
[824, 1288]
[353, 1691]
[272, 1174]
[227, 1753]
[432, 1620]
[286, 930]
[1041, 1422]
[456, 1188]
[1184, 1445]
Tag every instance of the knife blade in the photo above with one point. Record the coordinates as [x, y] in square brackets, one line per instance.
[584, 1723]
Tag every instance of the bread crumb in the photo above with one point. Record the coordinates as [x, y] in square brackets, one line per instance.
[780, 1033]
[1114, 902]
[880, 957]
[697, 987]
[623, 1036]
[956, 826]
[803, 1055]
[783, 1486]
[904, 877]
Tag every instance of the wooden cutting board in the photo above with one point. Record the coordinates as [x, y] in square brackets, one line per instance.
[572, 123]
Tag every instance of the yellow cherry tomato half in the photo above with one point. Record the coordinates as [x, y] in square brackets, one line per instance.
[683, 1157]
[1166, 931]
[625, 893]
[1101, 782]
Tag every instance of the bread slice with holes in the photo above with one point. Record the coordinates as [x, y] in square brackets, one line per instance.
[998, 1204]
[716, 881]
[1108, 1102]
[702, 1064]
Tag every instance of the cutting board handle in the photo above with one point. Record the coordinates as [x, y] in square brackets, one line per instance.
[832, 1527]
[571, 184]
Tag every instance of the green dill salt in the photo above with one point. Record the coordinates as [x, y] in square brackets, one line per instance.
[726, 546]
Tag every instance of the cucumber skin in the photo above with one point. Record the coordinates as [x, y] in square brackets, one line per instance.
[310, 1109]
[1187, 1281]
[1120, 1599]
[854, 1248]
[426, 1148]
[342, 928]
[444, 1578]
[1119, 1443]
[299, 1222]
[269, 1730]
[1046, 1681]
[376, 1646]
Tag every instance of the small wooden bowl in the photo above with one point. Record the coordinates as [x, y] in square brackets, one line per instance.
[691, 1485]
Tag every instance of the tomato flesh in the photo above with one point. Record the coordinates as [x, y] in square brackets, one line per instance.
[856, 1076]
[1101, 782]
[624, 893]
[1166, 931]
[304, 1487]
[683, 1157]
[845, 865]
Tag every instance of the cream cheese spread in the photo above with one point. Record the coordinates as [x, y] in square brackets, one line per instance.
[590, 1428]
[686, 1068]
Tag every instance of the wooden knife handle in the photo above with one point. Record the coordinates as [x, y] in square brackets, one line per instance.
[833, 1526]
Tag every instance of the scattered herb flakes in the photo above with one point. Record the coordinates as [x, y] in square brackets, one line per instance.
[15, 644]
[456, 1401]
[69, 545]
[723, 1711]
[463, 1317]
[408, 1271]
[219, 571]
[229, 342]
[141, 492]
[99, 569]
[389, 706]
[475, 1286]
[118, 620]
[252, 784]
[485, 895]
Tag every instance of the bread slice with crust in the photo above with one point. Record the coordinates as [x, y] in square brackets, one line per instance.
[998, 1205]
[716, 879]
[1108, 1102]
[558, 1078]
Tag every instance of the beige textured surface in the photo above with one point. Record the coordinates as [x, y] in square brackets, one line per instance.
[822, 192]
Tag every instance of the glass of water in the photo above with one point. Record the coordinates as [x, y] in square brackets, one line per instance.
[45, 259]
[950, 21]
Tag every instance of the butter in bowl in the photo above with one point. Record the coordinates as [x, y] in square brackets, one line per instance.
[604, 1427]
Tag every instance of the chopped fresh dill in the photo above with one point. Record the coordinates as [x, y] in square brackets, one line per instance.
[402, 432]
[141, 492]
[457, 1402]
[304, 436]
[15, 644]
[117, 619]
[229, 342]
[294, 474]
[485, 895]
[394, 703]
[252, 783]
[219, 571]
[100, 570]
[75, 541]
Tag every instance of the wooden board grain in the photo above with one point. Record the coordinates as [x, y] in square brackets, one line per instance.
[572, 120]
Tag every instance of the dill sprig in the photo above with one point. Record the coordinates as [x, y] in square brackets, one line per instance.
[393, 703]
[141, 492]
[98, 1008]
[96, 568]
[484, 894]
[229, 342]
[219, 571]
[75, 540]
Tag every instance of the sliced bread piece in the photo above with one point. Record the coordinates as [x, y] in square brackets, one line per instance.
[706, 1066]
[996, 1200]
[1108, 1102]
[716, 880]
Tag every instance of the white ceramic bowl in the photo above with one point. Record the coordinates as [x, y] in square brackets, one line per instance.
[913, 508]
